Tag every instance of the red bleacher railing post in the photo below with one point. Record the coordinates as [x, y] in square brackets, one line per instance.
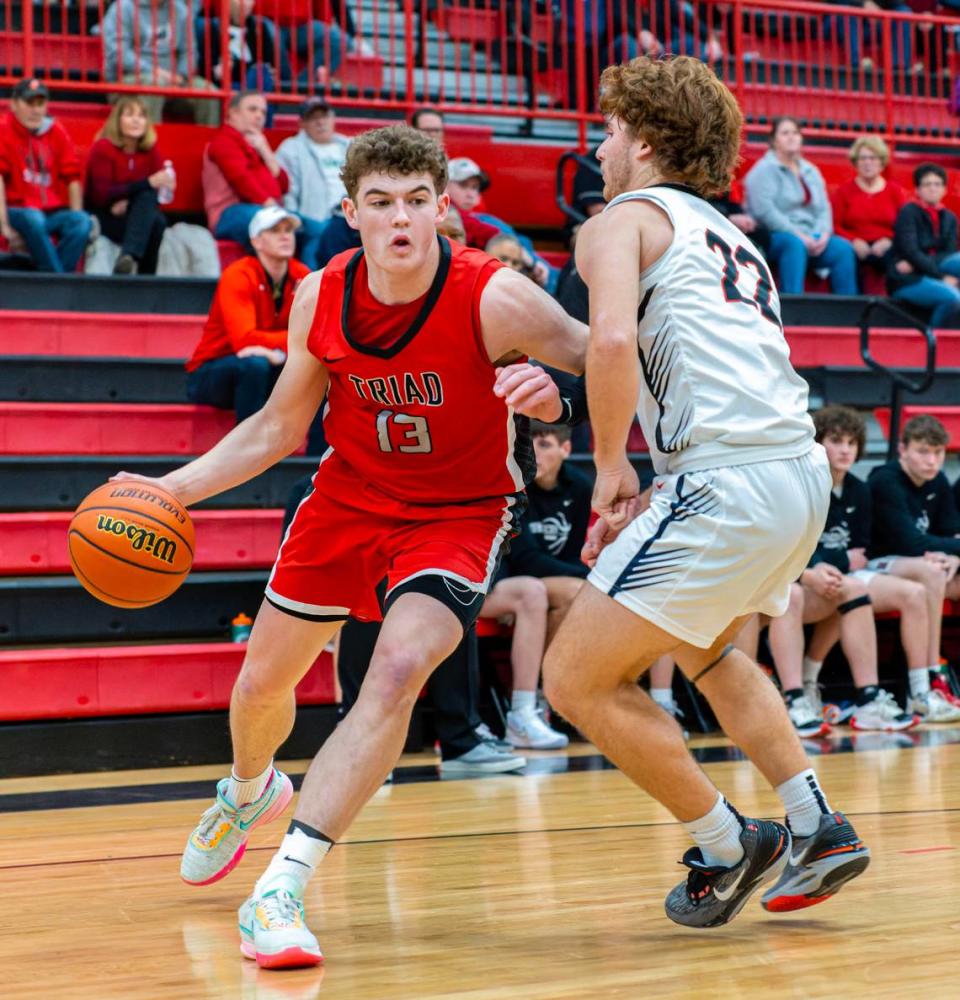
[27, 40]
[739, 70]
[225, 68]
[409, 48]
[580, 45]
[887, 36]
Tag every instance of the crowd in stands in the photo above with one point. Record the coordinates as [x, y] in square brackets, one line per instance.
[891, 544]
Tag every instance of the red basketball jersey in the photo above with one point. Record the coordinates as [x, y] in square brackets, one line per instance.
[418, 419]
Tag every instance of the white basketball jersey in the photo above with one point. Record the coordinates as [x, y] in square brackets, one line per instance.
[717, 388]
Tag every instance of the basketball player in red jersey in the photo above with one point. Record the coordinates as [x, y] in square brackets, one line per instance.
[420, 488]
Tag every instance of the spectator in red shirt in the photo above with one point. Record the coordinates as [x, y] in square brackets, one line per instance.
[40, 191]
[241, 175]
[865, 207]
[244, 340]
[125, 174]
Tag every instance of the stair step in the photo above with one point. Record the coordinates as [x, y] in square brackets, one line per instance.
[949, 416]
[124, 294]
[56, 609]
[133, 680]
[92, 334]
[53, 379]
[36, 543]
[110, 428]
[41, 483]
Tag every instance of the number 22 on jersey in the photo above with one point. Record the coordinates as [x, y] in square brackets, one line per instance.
[731, 277]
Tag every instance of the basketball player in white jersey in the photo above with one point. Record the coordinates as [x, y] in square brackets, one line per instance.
[685, 331]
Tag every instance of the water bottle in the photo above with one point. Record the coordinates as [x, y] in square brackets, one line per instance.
[165, 194]
[240, 628]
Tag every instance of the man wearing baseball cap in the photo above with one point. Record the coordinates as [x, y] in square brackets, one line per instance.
[465, 181]
[313, 159]
[41, 195]
[244, 340]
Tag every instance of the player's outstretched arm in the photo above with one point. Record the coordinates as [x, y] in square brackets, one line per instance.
[608, 259]
[273, 432]
[517, 316]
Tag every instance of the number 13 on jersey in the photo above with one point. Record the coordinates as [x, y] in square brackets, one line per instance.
[403, 432]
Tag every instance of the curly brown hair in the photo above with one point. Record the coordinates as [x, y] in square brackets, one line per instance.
[926, 429]
[689, 118]
[834, 421]
[398, 150]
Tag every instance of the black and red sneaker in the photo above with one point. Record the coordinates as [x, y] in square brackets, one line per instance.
[713, 896]
[819, 866]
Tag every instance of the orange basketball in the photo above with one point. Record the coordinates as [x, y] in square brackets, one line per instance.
[131, 545]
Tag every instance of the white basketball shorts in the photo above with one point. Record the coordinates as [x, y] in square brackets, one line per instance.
[718, 544]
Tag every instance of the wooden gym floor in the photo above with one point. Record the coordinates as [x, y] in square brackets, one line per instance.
[545, 885]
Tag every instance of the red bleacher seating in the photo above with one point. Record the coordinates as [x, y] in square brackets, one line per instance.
[65, 53]
[34, 543]
[110, 428]
[361, 71]
[949, 416]
[230, 252]
[133, 680]
[113, 335]
[814, 346]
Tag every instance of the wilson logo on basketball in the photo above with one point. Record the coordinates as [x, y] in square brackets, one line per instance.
[162, 548]
[151, 497]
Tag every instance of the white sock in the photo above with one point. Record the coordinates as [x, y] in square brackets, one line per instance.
[804, 802]
[294, 863]
[240, 791]
[523, 701]
[718, 835]
[811, 670]
[663, 697]
[919, 681]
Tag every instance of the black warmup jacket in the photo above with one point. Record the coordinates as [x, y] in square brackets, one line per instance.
[909, 520]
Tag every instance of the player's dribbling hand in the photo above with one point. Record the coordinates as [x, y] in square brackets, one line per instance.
[156, 483]
[530, 391]
[613, 492]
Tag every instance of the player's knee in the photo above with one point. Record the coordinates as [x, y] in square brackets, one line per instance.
[258, 686]
[563, 685]
[396, 676]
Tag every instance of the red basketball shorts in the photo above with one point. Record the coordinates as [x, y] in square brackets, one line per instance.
[347, 537]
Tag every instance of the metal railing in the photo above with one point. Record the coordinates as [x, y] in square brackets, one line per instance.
[841, 69]
[900, 381]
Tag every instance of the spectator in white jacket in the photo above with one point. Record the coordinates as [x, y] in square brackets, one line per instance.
[313, 159]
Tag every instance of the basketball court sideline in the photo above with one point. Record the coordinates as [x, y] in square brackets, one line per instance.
[539, 886]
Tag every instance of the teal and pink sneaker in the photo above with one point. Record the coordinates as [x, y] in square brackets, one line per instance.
[217, 843]
[273, 931]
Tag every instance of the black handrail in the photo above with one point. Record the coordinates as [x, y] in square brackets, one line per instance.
[899, 381]
[573, 214]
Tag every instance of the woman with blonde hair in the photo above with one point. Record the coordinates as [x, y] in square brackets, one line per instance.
[865, 207]
[126, 175]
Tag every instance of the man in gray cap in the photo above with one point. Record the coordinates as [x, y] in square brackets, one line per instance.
[313, 159]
